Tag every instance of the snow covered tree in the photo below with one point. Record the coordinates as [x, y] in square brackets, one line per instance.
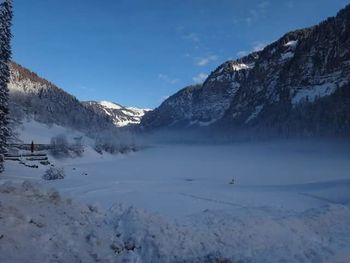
[5, 56]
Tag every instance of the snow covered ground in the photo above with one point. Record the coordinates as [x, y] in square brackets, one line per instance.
[177, 181]
[289, 201]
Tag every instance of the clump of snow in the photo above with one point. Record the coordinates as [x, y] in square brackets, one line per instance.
[255, 113]
[311, 94]
[251, 65]
[289, 54]
[292, 43]
[202, 123]
[239, 66]
[54, 174]
[138, 111]
[286, 56]
[107, 112]
[110, 105]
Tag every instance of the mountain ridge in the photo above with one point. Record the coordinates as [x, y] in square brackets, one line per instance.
[121, 116]
[261, 91]
[33, 97]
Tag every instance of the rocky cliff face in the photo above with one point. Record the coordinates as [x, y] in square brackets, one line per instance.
[267, 90]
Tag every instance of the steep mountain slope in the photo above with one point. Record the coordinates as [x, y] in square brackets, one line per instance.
[120, 115]
[273, 90]
[37, 98]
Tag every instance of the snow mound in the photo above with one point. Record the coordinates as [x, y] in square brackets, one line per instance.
[38, 224]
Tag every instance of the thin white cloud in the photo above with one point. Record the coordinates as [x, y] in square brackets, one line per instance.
[290, 4]
[235, 21]
[163, 98]
[248, 20]
[205, 60]
[242, 53]
[263, 5]
[85, 88]
[200, 78]
[168, 79]
[192, 37]
[256, 46]
[259, 11]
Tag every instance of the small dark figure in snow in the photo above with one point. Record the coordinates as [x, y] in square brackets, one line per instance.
[32, 147]
[232, 181]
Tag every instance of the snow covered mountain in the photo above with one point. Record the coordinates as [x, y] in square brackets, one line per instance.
[298, 85]
[121, 116]
[32, 97]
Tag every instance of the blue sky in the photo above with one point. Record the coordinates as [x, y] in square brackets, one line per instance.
[138, 52]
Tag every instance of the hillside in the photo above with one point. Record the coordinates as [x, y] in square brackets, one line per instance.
[34, 97]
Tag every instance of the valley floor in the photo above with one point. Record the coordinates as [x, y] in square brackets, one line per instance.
[267, 202]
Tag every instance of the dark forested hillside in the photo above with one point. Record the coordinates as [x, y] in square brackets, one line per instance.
[33, 96]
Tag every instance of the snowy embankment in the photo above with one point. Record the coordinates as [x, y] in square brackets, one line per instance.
[40, 226]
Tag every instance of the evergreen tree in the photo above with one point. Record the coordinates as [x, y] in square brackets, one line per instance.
[5, 56]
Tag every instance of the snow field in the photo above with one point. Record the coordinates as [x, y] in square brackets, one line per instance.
[175, 203]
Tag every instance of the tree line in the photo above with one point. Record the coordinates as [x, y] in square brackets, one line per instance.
[6, 15]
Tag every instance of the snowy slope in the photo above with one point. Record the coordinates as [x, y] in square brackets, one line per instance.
[120, 115]
[31, 130]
